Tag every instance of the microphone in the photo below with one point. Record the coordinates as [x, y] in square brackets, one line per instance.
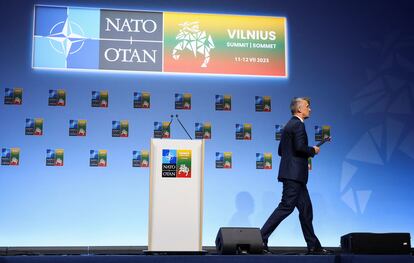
[183, 126]
[169, 124]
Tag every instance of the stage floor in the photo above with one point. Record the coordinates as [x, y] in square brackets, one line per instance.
[135, 254]
[210, 259]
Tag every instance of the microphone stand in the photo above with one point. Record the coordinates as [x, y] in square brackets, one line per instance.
[183, 126]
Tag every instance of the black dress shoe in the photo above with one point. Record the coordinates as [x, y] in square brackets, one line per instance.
[319, 251]
[266, 251]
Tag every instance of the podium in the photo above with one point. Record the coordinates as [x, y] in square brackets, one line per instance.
[176, 196]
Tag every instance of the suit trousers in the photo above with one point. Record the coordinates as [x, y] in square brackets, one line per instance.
[295, 194]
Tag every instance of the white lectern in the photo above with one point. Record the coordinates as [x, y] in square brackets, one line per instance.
[176, 195]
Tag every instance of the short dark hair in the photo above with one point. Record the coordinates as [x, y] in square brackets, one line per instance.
[294, 104]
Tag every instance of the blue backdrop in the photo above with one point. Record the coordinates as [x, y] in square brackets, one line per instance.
[355, 59]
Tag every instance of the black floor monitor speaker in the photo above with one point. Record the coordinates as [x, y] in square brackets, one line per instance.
[239, 240]
[375, 243]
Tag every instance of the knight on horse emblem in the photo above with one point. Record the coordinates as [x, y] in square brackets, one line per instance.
[195, 40]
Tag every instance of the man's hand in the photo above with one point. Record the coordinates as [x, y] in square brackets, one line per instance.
[317, 149]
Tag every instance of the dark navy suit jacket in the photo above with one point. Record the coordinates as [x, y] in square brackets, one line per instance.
[294, 150]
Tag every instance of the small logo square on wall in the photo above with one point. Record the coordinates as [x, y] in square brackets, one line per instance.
[57, 97]
[34, 127]
[224, 160]
[13, 96]
[10, 156]
[142, 100]
[140, 158]
[223, 103]
[100, 99]
[98, 158]
[183, 101]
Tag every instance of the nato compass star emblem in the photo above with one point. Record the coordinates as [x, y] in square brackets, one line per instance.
[66, 37]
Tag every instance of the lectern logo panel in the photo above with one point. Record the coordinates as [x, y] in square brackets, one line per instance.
[176, 163]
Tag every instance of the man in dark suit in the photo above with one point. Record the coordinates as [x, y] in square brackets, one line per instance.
[293, 173]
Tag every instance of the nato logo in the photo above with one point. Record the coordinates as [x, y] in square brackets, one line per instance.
[73, 124]
[30, 123]
[165, 129]
[219, 99]
[50, 153]
[157, 126]
[259, 100]
[93, 154]
[9, 92]
[318, 133]
[95, 95]
[219, 157]
[199, 127]
[239, 127]
[93, 158]
[169, 163]
[73, 128]
[278, 131]
[116, 125]
[169, 156]
[5, 156]
[66, 37]
[94, 39]
[50, 157]
[5, 153]
[136, 159]
[179, 97]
